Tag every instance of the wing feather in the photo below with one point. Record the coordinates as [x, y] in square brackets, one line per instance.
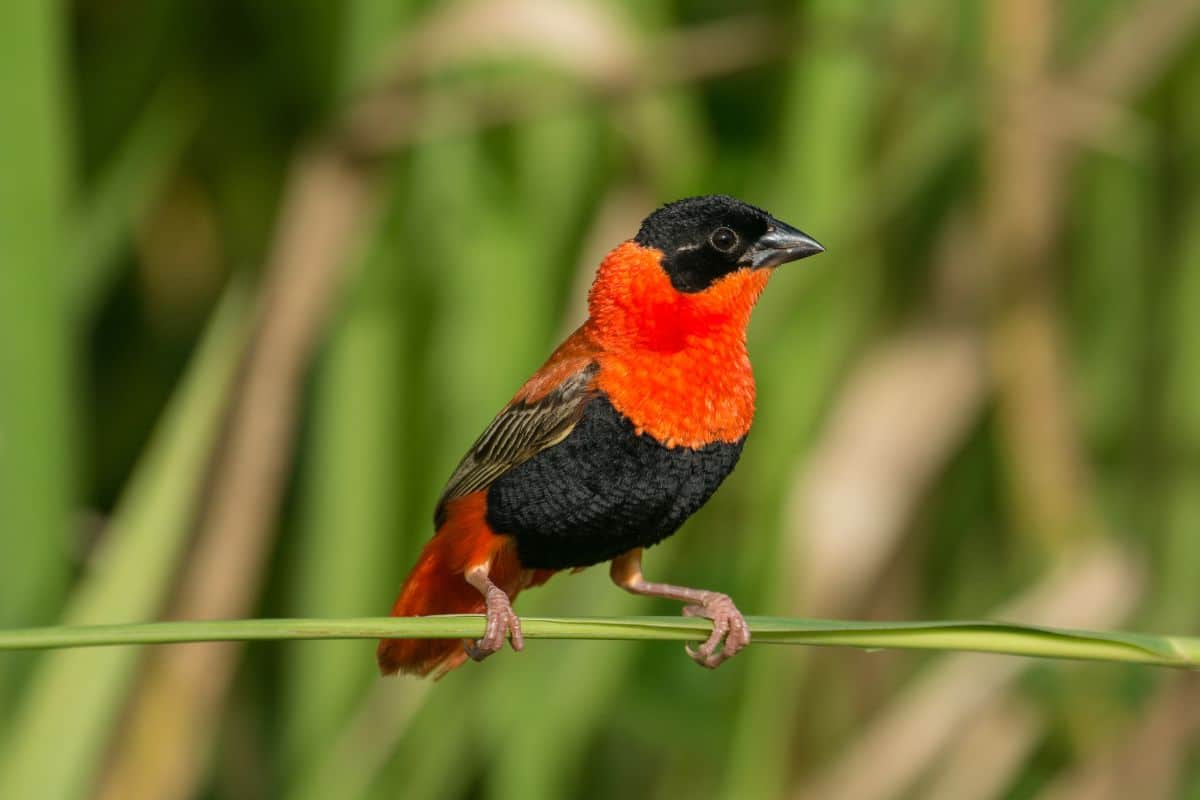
[522, 430]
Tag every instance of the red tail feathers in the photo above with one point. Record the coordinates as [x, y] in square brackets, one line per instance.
[437, 585]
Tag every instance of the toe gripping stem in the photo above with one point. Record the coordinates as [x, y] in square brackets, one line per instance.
[502, 621]
[728, 623]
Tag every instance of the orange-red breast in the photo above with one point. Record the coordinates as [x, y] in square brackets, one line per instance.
[625, 431]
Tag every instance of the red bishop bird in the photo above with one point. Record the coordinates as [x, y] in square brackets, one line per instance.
[622, 434]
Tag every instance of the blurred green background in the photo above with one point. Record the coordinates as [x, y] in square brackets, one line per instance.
[267, 268]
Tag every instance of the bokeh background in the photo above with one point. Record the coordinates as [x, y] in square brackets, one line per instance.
[267, 268]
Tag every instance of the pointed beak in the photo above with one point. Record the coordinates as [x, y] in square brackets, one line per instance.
[780, 244]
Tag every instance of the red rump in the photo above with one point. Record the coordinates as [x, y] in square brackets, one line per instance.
[437, 585]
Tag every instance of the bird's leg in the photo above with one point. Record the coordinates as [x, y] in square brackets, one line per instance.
[502, 621]
[728, 622]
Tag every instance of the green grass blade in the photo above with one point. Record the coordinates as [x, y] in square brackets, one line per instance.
[980, 636]
[58, 735]
[35, 424]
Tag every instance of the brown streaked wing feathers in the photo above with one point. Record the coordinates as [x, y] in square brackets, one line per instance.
[518, 433]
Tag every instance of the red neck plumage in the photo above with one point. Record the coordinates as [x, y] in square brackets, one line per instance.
[674, 363]
[632, 304]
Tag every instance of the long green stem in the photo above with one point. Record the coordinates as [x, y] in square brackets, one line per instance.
[987, 637]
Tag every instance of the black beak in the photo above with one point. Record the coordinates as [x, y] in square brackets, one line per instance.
[780, 244]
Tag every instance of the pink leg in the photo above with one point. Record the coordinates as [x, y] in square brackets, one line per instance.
[728, 622]
[502, 622]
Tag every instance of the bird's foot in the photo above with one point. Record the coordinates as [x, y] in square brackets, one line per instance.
[502, 623]
[728, 625]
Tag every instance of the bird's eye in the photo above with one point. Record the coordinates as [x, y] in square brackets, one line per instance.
[723, 239]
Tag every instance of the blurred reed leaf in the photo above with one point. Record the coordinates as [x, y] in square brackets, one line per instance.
[1183, 395]
[554, 181]
[428, 758]
[353, 510]
[124, 190]
[368, 27]
[357, 463]
[474, 228]
[58, 735]
[1180, 556]
[666, 133]
[1114, 229]
[36, 426]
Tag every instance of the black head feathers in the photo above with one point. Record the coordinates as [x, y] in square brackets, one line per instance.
[703, 238]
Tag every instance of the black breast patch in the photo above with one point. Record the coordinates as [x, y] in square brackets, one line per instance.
[603, 491]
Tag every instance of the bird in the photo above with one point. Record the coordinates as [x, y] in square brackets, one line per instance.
[627, 429]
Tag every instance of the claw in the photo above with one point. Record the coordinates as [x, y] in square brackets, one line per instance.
[728, 625]
[502, 623]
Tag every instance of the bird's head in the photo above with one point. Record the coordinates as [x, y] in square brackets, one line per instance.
[702, 239]
[694, 264]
